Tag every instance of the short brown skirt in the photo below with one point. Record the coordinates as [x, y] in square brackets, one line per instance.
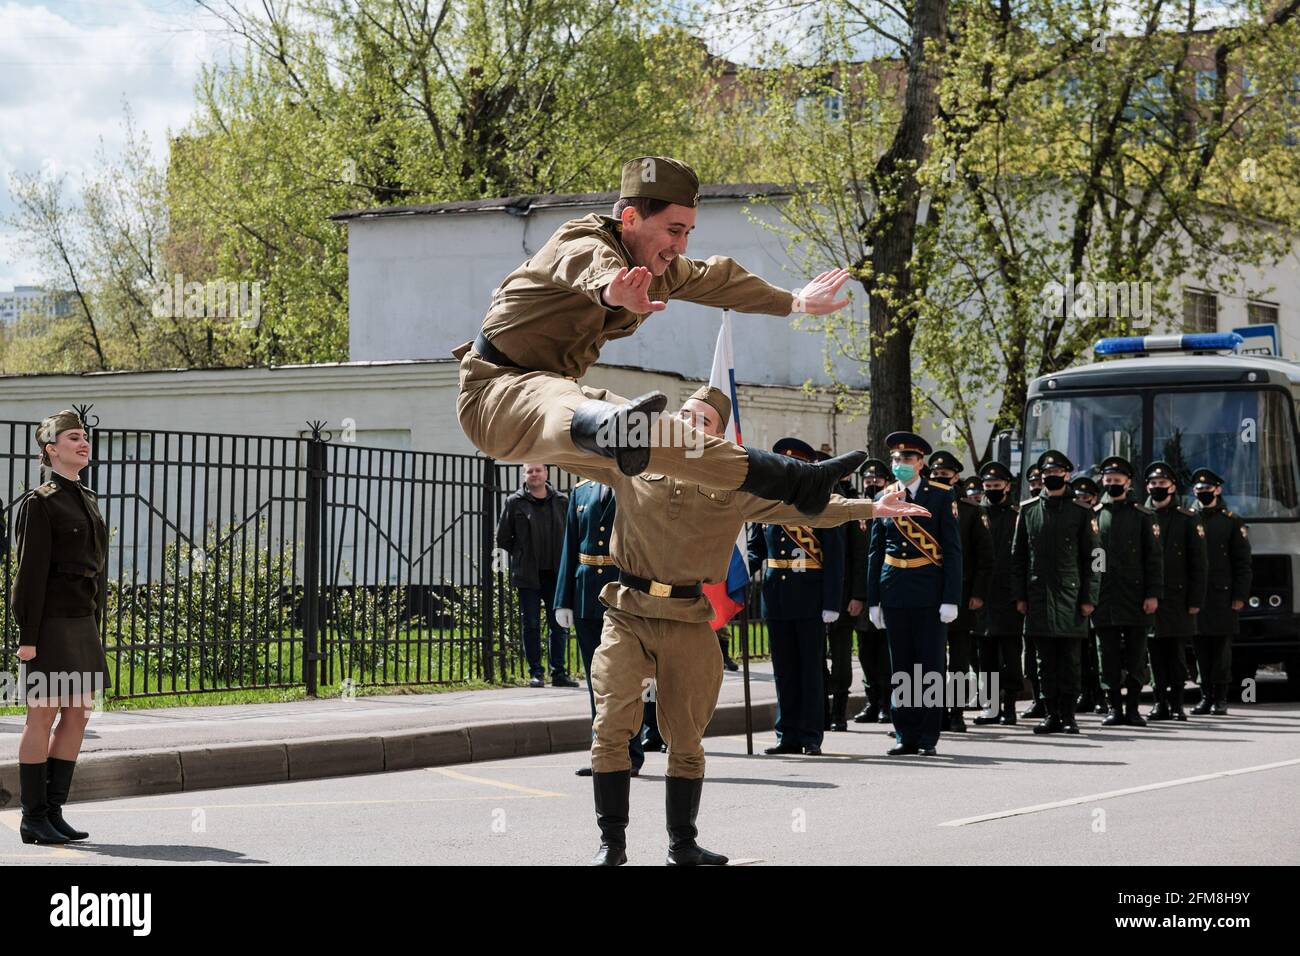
[69, 662]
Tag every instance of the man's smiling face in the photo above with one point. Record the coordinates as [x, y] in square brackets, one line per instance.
[655, 241]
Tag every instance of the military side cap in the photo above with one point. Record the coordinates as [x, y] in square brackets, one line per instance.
[1054, 459]
[1160, 469]
[1205, 476]
[1086, 485]
[907, 441]
[795, 448]
[995, 471]
[1116, 464]
[946, 459]
[715, 398]
[875, 468]
[658, 177]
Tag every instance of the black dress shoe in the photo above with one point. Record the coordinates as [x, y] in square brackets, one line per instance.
[582, 772]
[867, 715]
[1069, 726]
[730, 665]
[958, 721]
[1220, 709]
[1036, 709]
[1114, 719]
[839, 728]
[928, 752]
[812, 750]
[1203, 708]
[784, 749]
[1051, 724]
[903, 750]
[563, 680]
[536, 682]
[1159, 712]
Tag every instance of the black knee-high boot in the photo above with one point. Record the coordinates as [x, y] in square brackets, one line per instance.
[58, 782]
[613, 792]
[681, 805]
[35, 826]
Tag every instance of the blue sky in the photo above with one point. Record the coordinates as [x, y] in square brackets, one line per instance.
[66, 68]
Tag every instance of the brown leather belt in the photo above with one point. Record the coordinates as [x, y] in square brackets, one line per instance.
[658, 588]
[603, 560]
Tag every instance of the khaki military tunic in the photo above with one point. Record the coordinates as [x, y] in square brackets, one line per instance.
[678, 533]
[547, 317]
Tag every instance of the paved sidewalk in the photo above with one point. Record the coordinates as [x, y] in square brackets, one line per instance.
[189, 748]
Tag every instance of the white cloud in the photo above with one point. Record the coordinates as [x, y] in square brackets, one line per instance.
[66, 68]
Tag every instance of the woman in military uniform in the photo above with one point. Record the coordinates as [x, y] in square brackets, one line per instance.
[58, 602]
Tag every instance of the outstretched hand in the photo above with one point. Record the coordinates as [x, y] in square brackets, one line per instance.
[629, 290]
[894, 504]
[818, 296]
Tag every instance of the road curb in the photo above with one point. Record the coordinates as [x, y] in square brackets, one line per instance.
[214, 766]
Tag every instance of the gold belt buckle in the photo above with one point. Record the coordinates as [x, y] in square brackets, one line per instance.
[659, 589]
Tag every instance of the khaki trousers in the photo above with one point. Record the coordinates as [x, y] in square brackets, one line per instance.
[685, 661]
[519, 416]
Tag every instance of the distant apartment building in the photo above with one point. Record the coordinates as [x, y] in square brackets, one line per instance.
[26, 300]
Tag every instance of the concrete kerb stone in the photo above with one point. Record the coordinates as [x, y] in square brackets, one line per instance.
[314, 757]
[224, 765]
[426, 748]
[99, 776]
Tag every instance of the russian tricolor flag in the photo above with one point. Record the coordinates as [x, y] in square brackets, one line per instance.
[728, 597]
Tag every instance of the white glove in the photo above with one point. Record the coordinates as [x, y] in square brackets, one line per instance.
[947, 613]
[830, 617]
[877, 617]
[564, 617]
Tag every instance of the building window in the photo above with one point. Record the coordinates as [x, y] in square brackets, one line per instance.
[1200, 311]
[1261, 313]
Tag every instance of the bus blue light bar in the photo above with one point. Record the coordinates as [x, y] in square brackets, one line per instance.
[1196, 342]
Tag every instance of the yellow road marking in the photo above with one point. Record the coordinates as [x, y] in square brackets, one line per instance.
[457, 775]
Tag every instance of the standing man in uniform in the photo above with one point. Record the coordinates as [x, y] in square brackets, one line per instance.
[803, 578]
[1001, 643]
[839, 635]
[1035, 710]
[976, 567]
[1132, 582]
[1186, 569]
[913, 586]
[873, 647]
[598, 278]
[669, 536]
[1227, 546]
[585, 568]
[531, 531]
[1086, 493]
[1054, 586]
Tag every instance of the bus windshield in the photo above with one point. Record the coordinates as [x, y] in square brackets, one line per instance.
[1246, 436]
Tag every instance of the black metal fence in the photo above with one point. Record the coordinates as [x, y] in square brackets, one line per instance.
[244, 561]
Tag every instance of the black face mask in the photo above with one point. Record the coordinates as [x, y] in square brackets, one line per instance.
[1158, 494]
[872, 490]
[994, 496]
[1205, 497]
[1054, 482]
[1115, 490]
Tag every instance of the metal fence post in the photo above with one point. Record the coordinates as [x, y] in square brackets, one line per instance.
[312, 557]
[486, 574]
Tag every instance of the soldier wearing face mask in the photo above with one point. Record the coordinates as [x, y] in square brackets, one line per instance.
[1228, 550]
[1132, 582]
[1186, 570]
[873, 648]
[1000, 643]
[1086, 493]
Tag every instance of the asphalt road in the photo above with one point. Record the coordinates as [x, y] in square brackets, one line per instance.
[1210, 791]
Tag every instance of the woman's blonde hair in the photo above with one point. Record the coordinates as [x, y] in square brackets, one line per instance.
[47, 433]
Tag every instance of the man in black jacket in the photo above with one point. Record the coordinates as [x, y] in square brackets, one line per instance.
[531, 530]
[1001, 644]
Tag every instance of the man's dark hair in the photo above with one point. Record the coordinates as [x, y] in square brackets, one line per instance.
[644, 205]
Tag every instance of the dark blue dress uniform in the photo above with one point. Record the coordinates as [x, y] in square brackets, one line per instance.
[910, 575]
[803, 575]
[585, 568]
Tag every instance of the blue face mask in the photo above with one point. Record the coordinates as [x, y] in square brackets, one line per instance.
[903, 473]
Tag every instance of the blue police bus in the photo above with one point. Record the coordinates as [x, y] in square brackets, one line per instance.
[1194, 401]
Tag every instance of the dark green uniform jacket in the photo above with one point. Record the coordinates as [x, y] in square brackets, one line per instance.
[62, 556]
[1185, 570]
[1000, 614]
[1133, 568]
[1227, 546]
[1051, 565]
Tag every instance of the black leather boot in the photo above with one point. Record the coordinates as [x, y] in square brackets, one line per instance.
[1220, 700]
[681, 805]
[1116, 716]
[621, 432]
[58, 782]
[869, 714]
[1066, 709]
[1036, 709]
[806, 485]
[1008, 718]
[1161, 709]
[957, 723]
[1176, 711]
[1206, 703]
[1051, 724]
[35, 826]
[1131, 716]
[612, 792]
